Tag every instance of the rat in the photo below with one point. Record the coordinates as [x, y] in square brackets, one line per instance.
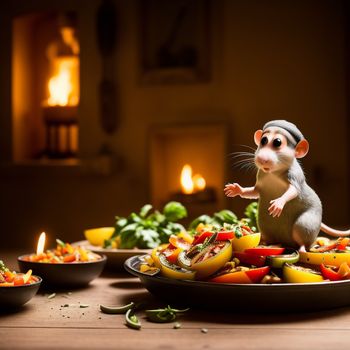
[290, 211]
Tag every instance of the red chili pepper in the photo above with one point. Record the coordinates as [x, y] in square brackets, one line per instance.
[265, 251]
[250, 259]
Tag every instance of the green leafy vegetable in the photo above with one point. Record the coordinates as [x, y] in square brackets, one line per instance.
[148, 229]
[251, 213]
[218, 220]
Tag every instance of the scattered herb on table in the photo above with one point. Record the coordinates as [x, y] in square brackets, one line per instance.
[117, 309]
[131, 320]
[167, 314]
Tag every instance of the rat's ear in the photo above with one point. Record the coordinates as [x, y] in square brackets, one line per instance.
[301, 149]
[257, 137]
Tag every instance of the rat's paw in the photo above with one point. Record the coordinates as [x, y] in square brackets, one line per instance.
[232, 190]
[276, 207]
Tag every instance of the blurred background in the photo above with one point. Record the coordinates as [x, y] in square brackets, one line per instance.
[105, 103]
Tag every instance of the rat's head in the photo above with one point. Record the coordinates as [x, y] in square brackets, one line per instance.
[279, 142]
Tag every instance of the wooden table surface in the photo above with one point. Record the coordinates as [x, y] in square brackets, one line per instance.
[45, 323]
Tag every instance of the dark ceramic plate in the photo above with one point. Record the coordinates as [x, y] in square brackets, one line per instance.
[64, 275]
[280, 297]
[12, 297]
[115, 257]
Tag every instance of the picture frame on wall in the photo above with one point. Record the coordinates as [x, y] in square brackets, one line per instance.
[175, 41]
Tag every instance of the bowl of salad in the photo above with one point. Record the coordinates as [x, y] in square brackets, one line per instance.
[136, 234]
[16, 289]
[65, 266]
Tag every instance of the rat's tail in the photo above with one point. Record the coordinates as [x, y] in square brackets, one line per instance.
[334, 233]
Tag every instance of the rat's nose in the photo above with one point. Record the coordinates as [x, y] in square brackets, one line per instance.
[263, 160]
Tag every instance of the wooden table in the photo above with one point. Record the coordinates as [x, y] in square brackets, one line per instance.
[46, 323]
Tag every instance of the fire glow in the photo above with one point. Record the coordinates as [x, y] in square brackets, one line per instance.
[61, 85]
[191, 184]
[41, 244]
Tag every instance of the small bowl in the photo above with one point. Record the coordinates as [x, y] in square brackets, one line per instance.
[115, 257]
[64, 275]
[16, 296]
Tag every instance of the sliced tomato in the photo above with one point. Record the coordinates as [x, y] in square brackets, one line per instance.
[265, 251]
[250, 259]
[243, 277]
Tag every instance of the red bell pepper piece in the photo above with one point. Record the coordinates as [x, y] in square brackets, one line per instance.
[343, 243]
[250, 259]
[243, 277]
[333, 273]
[172, 254]
[265, 251]
[18, 280]
[222, 236]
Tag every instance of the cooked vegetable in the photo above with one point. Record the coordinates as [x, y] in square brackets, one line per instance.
[327, 258]
[251, 213]
[245, 242]
[147, 229]
[117, 309]
[208, 260]
[290, 256]
[64, 253]
[174, 271]
[10, 279]
[242, 276]
[131, 320]
[265, 250]
[300, 274]
[335, 273]
[217, 220]
[250, 259]
[163, 315]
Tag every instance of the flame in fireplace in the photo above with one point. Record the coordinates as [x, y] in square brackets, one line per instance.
[191, 184]
[61, 85]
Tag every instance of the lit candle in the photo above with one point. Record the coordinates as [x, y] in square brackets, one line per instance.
[41, 244]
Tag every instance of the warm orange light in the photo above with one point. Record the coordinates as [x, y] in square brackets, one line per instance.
[61, 85]
[186, 179]
[41, 244]
[191, 184]
[199, 182]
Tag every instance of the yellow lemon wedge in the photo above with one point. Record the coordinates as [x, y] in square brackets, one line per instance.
[96, 236]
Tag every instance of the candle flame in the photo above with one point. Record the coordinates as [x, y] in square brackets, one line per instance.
[186, 179]
[41, 244]
[189, 183]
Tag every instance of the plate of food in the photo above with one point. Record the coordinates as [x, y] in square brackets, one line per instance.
[16, 288]
[65, 266]
[136, 234]
[226, 268]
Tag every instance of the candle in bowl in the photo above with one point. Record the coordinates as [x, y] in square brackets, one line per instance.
[66, 266]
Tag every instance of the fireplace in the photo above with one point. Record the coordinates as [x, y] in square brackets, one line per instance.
[187, 164]
[45, 85]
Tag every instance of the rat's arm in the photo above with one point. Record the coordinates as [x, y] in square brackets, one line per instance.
[278, 204]
[233, 190]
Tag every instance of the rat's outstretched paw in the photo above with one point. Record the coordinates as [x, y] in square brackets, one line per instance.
[232, 190]
[276, 207]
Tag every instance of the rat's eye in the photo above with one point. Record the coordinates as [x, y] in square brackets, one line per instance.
[264, 141]
[277, 143]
